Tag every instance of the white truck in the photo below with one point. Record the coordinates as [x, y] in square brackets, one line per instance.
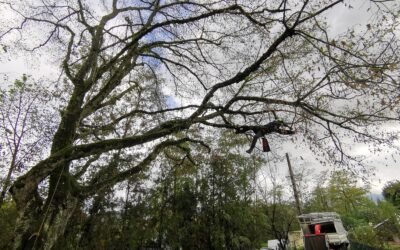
[323, 231]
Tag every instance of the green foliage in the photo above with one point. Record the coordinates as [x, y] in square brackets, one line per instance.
[344, 194]
[388, 217]
[209, 205]
[366, 235]
[202, 203]
[8, 215]
[281, 219]
[391, 192]
[340, 194]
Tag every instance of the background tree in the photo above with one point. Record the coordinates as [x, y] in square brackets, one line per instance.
[216, 63]
[280, 216]
[193, 204]
[391, 192]
[210, 204]
[26, 128]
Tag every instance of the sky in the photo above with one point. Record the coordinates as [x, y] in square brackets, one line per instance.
[339, 20]
[385, 164]
[342, 18]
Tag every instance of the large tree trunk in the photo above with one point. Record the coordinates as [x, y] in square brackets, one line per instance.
[59, 220]
[28, 220]
[38, 228]
[30, 231]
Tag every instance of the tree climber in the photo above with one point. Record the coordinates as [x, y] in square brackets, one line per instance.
[277, 126]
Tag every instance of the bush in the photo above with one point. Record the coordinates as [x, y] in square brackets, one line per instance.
[367, 236]
[8, 216]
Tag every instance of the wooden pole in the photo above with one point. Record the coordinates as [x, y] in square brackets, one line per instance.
[296, 195]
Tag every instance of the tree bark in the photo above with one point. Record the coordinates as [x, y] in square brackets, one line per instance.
[40, 229]
[28, 219]
[59, 221]
[8, 178]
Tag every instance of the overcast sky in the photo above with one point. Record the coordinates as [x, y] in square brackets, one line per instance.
[360, 16]
[387, 163]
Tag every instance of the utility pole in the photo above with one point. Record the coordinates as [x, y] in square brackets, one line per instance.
[296, 195]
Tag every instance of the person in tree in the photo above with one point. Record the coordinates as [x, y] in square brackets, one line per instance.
[277, 126]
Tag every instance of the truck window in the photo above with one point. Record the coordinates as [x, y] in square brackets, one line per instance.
[326, 228]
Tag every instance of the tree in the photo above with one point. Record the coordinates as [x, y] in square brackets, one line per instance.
[373, 224]
[205, 203]
[340, 194]
[26, 127]
[194, 203]
[281, 217]
[180, 64]
[391, 192]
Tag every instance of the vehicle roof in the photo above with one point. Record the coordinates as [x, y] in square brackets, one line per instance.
[323, 216]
